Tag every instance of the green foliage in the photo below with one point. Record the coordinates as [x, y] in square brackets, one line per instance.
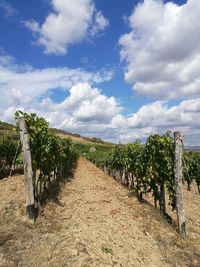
[191, 170]
[48, 152]
[4, 126]
[107, 250]
[8, 149]
[19, 159]
[82, 148]
[188, 169]
[159, 158]
[150, 166]
[196, 168]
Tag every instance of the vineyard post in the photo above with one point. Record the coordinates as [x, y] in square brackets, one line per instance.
[28, 172]
[178, 138]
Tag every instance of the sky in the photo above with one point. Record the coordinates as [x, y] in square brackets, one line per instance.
[118, 70]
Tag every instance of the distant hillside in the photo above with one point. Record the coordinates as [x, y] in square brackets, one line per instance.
[76, 138]
[6, 128]
[193, 148]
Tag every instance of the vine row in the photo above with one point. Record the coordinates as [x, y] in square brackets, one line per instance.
[52, 156]
[148, 168]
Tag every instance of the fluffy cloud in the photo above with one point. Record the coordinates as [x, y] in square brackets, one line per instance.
[22, 84]
[85, 109]
[158, 117]
[69, 23]
[162, 50]
[86, 105]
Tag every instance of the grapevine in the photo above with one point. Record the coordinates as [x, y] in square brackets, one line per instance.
[149, 168]
[51, 155]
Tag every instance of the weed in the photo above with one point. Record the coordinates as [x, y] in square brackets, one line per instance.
[107, 250]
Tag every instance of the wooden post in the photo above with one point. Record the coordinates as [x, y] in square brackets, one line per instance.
[28, 172]
[178, 138]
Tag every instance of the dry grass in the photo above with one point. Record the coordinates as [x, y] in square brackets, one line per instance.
[92, 223]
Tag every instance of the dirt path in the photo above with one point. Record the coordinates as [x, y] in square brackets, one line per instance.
[93, 223]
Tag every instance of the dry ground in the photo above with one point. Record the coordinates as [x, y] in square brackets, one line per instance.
[93, 223]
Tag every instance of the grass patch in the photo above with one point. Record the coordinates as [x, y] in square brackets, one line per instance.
[107, 250]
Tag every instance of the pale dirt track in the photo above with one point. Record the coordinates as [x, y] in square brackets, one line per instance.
[92, 223]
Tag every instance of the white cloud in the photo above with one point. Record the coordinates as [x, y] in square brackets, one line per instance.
[85, 109]
[70, 22]
[23, 84]
[95, 107]
[9, 11]
[158, 117]
[162, 50]
[92, 113]
[100, 23]
[86, 104]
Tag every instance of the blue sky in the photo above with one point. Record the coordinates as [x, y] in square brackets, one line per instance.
[119, 70]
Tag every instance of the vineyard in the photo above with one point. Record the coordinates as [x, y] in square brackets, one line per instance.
[148, 170]
[145, 168]
[9, 150]
[51, 157]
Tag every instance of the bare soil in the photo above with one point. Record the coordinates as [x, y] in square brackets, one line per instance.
[93, 222]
